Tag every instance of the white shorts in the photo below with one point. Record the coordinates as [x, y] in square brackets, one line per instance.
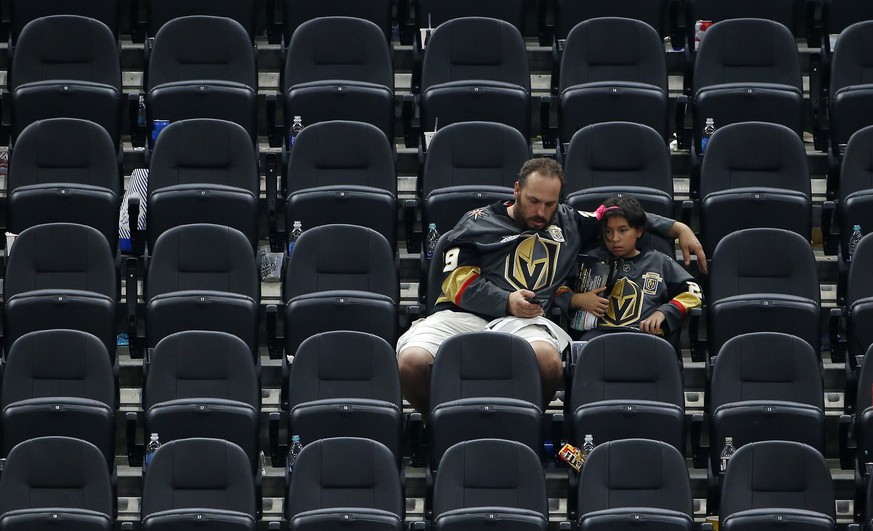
[430, 332]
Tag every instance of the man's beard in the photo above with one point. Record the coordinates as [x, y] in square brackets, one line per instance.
[522, 223]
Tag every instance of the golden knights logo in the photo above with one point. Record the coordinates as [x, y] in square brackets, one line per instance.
[532, 265]
[625, 304]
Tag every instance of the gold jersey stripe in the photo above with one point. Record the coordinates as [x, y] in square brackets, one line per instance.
[454, 284]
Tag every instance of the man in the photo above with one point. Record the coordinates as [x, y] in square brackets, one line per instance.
[506, 264]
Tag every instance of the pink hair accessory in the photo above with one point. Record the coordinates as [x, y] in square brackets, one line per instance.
[601, 210]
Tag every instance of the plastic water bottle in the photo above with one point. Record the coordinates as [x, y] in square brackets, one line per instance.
[431, 241]
[708, 130]
[854, 239]
[151, 448]
[296, 231]
[296, 127]
[293, 453]
[587, 446]
[726, 453]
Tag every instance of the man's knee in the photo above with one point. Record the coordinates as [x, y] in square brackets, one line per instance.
[548, 359]
[414, 362]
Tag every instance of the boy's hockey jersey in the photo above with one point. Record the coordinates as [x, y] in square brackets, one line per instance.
[489, 256]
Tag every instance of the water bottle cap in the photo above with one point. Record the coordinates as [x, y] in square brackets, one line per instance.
[728, 440]
[295, 438]
[431, 225]
[154, 436]
[856, 227]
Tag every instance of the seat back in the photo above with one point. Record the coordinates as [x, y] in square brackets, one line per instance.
[628, 385]
[488, 476]
[469, 165]
[789, 13]
[476, 68]
[747, 69]
[766, 386]
[59, 52]
[345, 383]
[296, 12]
[162, 11]
[60, 474]
[199, 475]
[203, 171]
[754, 174]
[346, 475]
[859, 301]
[612, 69]
[780, 477]
[203, 67]
[850, 80]
[637, 475]
[747, 294]
[64, 169]
[23, 11]
[342, 172]
[856, 183]
[431, 13]
[569, 13]
[484, 385]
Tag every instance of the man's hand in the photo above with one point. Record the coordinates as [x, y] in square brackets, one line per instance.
[652, 323]
[519, 306]
[689, 244]
[591, 301]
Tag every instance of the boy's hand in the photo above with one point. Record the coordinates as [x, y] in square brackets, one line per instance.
[652, 323]
[591, 301]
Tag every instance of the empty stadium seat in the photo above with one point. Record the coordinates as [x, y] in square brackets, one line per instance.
[487, 480]
[475, 68]
[773, 484]
[627, 385]
[64, 169]
[49, 481]
[338, 68]
[345, 483]
[66, 66]
[751, 294]
[632, 484]
[202, 277]
[858, 314]
[789, 13]
[746, 69]
[191, 481]
[345, 384]
[484, 385]
[202, 67]
[159, 12]
[855, 194]
[59, 382]
[23, 11]
[432, 13]
[61, 275]
[342, 172]
[296, 12]
[203, 171]
[203, 384]
[754, 174]
[612, 69]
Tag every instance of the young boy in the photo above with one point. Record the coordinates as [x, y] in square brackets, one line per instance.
[649, 291]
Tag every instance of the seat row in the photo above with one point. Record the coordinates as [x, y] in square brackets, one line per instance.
[344, 483]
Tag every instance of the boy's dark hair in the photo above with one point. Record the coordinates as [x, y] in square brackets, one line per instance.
[626, 207]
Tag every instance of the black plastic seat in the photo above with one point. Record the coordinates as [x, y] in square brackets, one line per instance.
[339, 68]
[754, 174]
[59, 383]
[190, 481]
[484, 480]
[52, 480]
[203, 171]
[66, 66]
[61, 275]
[203, 67]
[345, 483]
[159, 12]
[346, 384]
[353, 182]
[296, 12]
[475, 69]
[64, 170]
[203, 384]
[202, 277]
[634, 484]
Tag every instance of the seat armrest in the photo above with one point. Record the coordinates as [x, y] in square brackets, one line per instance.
[271, 175]
[699, 453]
[411, 132]
[277, 449]
[837, 339]
[274, 128]
[134, 450]
[131, 297]
[844, 434]
[413, 237]
[830, 241]
[683, 133]
[698, 344]
[275, 343]
[549, 132]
